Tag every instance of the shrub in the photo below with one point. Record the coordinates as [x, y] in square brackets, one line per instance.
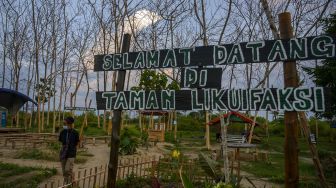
[129, 140]
[133, 181]
[187, 123]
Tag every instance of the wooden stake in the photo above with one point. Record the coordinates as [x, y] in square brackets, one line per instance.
[175, 126]
[207, 130]
[140, 125]
[291, 118]
[313, 150]
[224, 146]
[115, 140]
[84, 178]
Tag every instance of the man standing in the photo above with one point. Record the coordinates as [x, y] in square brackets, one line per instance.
[69, 138]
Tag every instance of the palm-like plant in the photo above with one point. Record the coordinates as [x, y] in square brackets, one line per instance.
[129, 140]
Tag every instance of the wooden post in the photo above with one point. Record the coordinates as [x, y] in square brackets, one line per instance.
[115, 140]
[175, 125]
[140, 125]
[291, 118]
[78, 177]
[207, 130]
[95, 177]
[224, 146]
[84, 178]
[313, 150]
[90, 177]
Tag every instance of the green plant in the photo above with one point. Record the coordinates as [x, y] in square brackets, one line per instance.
[132, 181]
[324, 74]
[38, 154]
[12, 175]
[212, 168]
[144, 139]
[54, 146]
[129, 140]
[186, 182]
[222, 185]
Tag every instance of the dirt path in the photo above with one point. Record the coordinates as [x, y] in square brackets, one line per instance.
[101, 154]
[257, 182]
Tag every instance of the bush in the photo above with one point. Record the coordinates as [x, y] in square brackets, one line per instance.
[132, 181]
[38, 155]
[129, 140]
[17, 174]
[277, 127]
[323, 127]
[187, 123]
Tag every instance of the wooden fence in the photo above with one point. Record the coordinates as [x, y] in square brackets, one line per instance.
[144, 166]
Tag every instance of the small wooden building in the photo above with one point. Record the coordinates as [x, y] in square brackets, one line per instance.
[236, 117]
[155, 127]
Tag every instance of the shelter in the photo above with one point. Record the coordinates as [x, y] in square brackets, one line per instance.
[156, 129]
[13, 100]
[235, 117]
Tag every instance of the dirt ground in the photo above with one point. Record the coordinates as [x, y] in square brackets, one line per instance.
[101, 153]
[100, 150]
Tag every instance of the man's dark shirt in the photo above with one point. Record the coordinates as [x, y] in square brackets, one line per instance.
[72, 141]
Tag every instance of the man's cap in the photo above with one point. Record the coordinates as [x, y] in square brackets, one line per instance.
[69, 119]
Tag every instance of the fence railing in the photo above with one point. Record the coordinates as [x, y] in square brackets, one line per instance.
[143, 166]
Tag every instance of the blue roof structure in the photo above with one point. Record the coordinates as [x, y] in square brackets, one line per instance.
[13, 100]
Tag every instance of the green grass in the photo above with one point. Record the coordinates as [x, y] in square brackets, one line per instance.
[50, 155]
[273, 169]
[37, 154]
[276, 144]
[94, 131]
[8, 171]
[134, 182]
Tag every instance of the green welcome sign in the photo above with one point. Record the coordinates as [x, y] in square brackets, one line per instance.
[211, 97]
[271, 99]
[316, 47]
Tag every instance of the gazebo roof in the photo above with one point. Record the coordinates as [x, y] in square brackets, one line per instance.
[13, 100]
[234, 117]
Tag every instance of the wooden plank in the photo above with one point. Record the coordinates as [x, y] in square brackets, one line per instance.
[137, 167]
[128, 167]
[141, 160]
[84, 180]
[133, 166]
[118, 174]
[244, 52]
[262, 99]
[90, 178]
[313, 150]
[201, 77]
[101, 170]
[78, 177]
[95, 177]
[105, 173]
[123, 170]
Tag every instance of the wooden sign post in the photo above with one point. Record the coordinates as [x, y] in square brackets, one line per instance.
[291, 117]
[203, 84]
[115, 138]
